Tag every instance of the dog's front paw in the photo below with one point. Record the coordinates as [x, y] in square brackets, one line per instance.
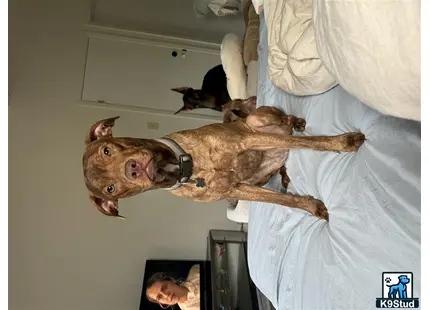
[317, 208]
[321, 211]
[351, 142]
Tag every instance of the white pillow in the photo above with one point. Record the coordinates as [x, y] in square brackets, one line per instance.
[372, 48]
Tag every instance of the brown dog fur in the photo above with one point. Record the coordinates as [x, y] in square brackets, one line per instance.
[235, 159]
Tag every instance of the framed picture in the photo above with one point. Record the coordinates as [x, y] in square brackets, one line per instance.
[194, 275]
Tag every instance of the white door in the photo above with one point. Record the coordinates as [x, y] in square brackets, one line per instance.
[129, 73]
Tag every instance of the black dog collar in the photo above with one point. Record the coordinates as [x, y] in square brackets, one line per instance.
[185, 165]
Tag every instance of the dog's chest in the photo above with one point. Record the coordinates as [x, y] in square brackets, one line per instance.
[220, 172]
[219, 158]
[217, 164]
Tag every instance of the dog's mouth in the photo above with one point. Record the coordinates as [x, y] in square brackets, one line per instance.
[149, 170]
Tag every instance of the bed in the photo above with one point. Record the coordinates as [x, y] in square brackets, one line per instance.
[373, 197]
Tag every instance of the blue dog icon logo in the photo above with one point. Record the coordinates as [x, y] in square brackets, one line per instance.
[399, 290]
[399, 295]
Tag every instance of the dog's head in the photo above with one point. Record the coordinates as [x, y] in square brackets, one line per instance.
[194, 99]
[403, 279]
[122, 167]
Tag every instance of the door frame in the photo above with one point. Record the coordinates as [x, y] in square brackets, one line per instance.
[99, 31]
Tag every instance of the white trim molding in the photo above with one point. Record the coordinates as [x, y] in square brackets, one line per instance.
[94, 30]
[130, 108]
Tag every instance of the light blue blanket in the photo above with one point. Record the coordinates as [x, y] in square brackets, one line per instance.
[373, 197]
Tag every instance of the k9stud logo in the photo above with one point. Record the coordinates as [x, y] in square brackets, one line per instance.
[397, 291]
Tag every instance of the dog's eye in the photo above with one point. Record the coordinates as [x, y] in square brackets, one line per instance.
[106, 151]
[111, 189]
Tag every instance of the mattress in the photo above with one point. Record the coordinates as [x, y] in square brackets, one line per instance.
[373, 198]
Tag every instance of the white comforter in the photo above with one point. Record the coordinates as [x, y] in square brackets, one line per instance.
[294, 63]
[372, 48]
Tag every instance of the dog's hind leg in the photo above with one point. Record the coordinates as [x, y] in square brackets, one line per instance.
[239, 109]
[272, 120]
[252, 193]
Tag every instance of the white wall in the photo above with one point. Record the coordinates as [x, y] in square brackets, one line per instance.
[63, 254]
[168, 17]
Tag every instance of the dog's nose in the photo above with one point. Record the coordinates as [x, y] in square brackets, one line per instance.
[132, 169]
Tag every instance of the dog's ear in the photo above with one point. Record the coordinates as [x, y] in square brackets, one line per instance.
[101, 129]
[107, 207]
[181, 90]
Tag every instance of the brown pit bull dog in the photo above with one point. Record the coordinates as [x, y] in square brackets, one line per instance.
[215, 162]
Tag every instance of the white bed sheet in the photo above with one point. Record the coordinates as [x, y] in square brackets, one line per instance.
[373, 197]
